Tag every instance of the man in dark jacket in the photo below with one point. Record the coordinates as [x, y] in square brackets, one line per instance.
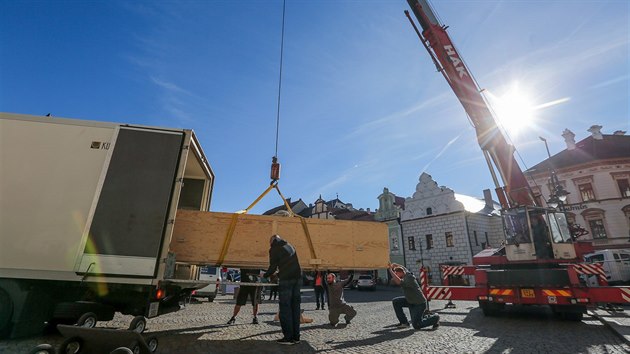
[414, 299]
[283, 257]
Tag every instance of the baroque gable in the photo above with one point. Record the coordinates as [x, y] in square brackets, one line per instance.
[387, 209]
[430, 199]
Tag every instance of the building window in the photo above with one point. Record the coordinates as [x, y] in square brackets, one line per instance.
[584, 185]
[623, 183]
[476, 241]
[595, 218]
[449, 239]
[429, 238]
[624, 188]
[429, 211]
[586, 192]
[412, 243]
[394, 238]
[597, 228]
[626, 212]
[487, 241]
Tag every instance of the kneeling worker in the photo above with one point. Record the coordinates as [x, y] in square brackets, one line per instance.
[336, 304]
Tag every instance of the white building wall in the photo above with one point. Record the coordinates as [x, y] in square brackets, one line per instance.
[434, 210]
[440, 253]
[482, 224]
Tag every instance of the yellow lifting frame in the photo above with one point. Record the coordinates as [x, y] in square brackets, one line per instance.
[230, 231]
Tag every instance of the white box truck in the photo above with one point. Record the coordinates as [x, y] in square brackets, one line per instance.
[86, 217]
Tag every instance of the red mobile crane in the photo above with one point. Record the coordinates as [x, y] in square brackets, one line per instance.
[539, 264]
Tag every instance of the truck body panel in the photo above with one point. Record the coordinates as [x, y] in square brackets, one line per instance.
[86, 217]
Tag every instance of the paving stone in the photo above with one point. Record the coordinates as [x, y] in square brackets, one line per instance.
[200, 327]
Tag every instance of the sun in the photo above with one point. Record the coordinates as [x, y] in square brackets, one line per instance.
[514, 110]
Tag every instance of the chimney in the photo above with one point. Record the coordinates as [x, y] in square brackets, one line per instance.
[619, 132]
[569, 139]
[487, 198]
[368, 210]
[595, 131]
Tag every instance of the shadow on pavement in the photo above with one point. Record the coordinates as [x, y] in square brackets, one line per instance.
[380, 336]
[194, 344]
[530, 320]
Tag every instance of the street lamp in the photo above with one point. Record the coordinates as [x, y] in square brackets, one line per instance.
[553, 201]
[560, 192]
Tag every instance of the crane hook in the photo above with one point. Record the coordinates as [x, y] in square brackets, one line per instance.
[275, 170]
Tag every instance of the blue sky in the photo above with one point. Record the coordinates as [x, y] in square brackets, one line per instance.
[362, 106]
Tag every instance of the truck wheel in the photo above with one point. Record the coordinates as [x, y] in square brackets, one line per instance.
[573, 316]
[152, 343]
[43, 349]
[121, 350]
[87, 320]
[72, 345]
[138, 324]
[135, 348]
[490, 309]
[6, 312]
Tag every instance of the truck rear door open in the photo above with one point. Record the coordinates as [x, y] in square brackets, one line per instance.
[130, 213]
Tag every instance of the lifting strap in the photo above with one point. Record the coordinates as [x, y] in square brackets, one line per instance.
[232, 227]
[304, 225]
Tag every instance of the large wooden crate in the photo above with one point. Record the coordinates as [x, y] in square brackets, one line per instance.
[198, 238]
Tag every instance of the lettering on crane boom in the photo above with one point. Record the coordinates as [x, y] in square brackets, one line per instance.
[457, 63]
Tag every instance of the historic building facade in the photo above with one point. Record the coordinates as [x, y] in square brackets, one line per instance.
[439, 227]
[596, 173]
[390, 207]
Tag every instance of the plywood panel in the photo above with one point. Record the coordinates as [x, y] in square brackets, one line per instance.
[198, 238]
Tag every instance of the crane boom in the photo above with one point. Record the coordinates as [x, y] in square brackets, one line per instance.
[516, 190]
[539, 263]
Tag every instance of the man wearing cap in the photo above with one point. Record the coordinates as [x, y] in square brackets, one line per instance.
[284, 259]
[413, 299]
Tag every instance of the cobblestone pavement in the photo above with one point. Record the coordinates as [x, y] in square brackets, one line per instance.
[200, 328]
[616, 318]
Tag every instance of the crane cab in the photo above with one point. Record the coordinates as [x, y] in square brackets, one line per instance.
[537, 234]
